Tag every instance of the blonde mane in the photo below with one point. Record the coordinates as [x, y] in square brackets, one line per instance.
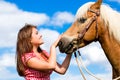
[110, 17]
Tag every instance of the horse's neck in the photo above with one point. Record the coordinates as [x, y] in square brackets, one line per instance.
[110, 45]
[111, 48]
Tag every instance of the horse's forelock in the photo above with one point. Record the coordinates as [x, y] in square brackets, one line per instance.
[82, 10]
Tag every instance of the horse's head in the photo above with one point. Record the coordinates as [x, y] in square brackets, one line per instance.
[84, 30]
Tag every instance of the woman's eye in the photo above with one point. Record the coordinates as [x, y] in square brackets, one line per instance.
[82, 20]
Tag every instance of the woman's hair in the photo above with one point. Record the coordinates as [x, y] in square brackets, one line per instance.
[24, 46]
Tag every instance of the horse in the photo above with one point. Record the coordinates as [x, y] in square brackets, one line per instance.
[95, 21]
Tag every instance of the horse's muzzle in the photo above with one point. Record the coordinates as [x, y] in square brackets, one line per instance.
[67, 46]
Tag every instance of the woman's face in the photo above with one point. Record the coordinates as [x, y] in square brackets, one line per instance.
[36, 38]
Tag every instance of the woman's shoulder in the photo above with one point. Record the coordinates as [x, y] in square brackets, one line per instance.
[28, 56]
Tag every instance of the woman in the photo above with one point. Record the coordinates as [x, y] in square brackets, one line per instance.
[34, 63]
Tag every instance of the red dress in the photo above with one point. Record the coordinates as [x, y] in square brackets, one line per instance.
[32, 74]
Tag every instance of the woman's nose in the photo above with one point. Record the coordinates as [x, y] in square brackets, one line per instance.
[40, 35]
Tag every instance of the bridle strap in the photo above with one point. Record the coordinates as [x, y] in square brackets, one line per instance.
[82, 33]
[97, 14]
[96, 31]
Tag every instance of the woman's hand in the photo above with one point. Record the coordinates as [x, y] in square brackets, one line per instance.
[56, 42]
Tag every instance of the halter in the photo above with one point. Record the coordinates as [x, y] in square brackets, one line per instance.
[82, 33]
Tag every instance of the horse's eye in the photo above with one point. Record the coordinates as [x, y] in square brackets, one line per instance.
[82, 20]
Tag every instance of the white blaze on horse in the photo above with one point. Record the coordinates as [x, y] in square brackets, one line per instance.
[95, 22]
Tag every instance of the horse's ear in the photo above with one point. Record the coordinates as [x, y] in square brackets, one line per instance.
[96, 5]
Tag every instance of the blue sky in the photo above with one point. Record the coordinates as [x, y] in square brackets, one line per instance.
[52, 18]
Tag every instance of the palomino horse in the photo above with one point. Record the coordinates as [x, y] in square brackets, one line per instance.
[95, 22]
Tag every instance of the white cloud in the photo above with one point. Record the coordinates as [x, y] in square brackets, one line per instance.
[61, 18]
[94, 53]
[7, 60]
[74, 63]
[12, 19]
[70, 76]
[6, 7]
[5, 74]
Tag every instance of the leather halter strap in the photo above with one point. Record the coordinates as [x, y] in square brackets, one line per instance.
[82, 33]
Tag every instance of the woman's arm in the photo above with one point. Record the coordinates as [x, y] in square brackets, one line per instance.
[61, 69]
[38, 64]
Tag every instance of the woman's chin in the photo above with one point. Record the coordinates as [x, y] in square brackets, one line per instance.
[41, 43]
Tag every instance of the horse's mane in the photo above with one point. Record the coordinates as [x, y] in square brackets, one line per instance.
[110, 17]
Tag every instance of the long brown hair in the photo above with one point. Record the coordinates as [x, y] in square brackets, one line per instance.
[23, 46]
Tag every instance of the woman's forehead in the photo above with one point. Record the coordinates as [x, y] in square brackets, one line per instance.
[34, 29]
